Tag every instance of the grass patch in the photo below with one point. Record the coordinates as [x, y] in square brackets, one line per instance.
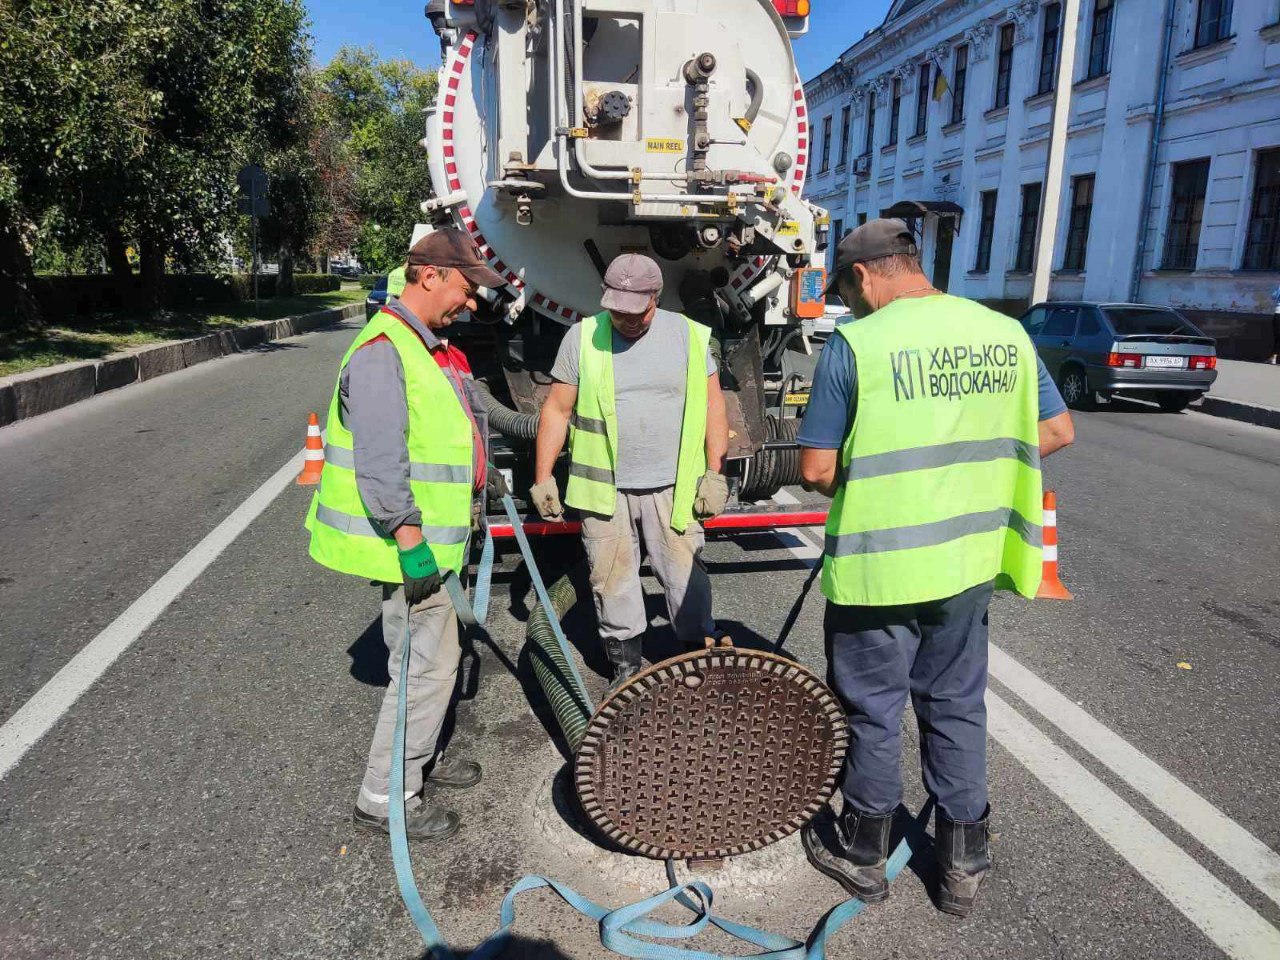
[92, 338]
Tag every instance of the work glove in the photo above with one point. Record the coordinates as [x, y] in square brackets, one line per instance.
[712, 496]
[546, 500]
[495, 485]
[421, 575]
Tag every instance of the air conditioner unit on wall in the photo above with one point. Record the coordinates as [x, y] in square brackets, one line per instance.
[862, 166]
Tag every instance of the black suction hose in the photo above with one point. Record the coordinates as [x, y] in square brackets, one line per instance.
[510, 423]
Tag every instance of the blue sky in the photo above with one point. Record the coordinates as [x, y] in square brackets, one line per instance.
[397, 28]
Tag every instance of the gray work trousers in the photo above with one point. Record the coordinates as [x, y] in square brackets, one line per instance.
[935, 653]
[613, 551]
[433, 671]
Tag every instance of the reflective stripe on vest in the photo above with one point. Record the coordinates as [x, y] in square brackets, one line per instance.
[344, 536]
[426, 472]
[593, 433]
[366, 526]
[940, 471]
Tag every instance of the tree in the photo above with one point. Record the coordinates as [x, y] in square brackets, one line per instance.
[375, 107]
[132, 117]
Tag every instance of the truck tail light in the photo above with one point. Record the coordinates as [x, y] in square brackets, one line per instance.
[1202, 363]
[1131, 360]
[792, 8]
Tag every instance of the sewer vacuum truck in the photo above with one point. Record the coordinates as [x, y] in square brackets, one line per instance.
[567, 132]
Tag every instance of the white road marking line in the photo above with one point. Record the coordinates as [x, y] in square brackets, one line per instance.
[1228, 921]
[48, 705]
[1235, 845]
[1223, 917]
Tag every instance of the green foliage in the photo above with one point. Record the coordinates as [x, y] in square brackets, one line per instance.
[126, 121]
[316, 283]
[370, 280]
[376, 108]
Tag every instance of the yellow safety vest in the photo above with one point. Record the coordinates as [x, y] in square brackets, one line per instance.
[593, 431]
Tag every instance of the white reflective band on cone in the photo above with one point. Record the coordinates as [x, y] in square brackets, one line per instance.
[1051, 551]
[314, 455]
[1051, 518]
[313, 430]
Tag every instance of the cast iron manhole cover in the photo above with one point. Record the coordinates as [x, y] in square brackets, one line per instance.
[711, 754]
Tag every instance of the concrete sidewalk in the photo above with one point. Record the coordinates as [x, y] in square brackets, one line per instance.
[1245, 391]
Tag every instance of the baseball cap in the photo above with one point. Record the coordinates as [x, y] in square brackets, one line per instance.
[871, 241]
[452, 248]
[631, 281]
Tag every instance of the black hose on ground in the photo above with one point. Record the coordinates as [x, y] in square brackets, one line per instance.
[554, 676]
[510, 423]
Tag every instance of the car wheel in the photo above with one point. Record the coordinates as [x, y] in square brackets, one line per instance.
[1174, 402]
[1074, 386]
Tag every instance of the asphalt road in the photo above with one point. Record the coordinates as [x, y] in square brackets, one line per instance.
[196, 798]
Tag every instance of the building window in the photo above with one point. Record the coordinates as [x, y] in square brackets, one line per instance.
[957, 84]
[862, 218]
[1028, 224]
[986, 229]
[845, 116]
[1004, 66]
[922, 101]
[894, 110]
[1100, 39]
[826, 145]
[1186, 210]
[1262, 247]
[1213, 22]
[1078, 226]
[1049, 47]
[837, 234]
[871, 123]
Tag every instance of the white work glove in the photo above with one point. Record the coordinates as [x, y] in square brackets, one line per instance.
[712, 496]
[545, 498]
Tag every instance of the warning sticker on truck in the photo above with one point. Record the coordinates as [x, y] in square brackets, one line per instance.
[663, 145]
[789, 228]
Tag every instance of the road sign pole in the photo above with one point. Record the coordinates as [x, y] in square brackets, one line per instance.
[253, 206]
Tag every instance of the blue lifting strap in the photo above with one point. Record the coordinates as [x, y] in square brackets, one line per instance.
[620, 928]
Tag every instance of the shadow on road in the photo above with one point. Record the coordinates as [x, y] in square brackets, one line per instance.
[524, 949]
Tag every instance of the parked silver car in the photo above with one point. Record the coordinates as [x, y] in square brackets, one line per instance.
[1133, 349]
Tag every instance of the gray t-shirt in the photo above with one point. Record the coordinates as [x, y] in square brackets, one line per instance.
[649, 377]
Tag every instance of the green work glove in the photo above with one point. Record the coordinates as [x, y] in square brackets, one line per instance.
[421, 575]
[712, 496]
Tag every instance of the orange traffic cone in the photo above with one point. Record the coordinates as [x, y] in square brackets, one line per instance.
[1051, 586]
[310, 474]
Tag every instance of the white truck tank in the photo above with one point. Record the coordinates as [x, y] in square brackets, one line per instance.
[567, 132]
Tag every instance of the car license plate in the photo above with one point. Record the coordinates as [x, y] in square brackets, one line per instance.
[1176, 363]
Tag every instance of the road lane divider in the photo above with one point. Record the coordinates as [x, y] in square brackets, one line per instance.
[1212, 828]
[50, 703]
[1236, 928]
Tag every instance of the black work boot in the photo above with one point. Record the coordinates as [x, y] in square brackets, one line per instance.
[852, 850]
[626, 659]
[964, 858]
[455, 774]
[423, 822]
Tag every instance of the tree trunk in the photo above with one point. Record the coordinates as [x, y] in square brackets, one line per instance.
[152, 253]
[19, 309]
[284, 282]
[117, 253]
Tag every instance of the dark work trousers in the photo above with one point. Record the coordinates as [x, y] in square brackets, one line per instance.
[937, 652]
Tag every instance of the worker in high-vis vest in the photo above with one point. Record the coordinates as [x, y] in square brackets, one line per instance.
[404, 461]
[927, 422]
[637, 390]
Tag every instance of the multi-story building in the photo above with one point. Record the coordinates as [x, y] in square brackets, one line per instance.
[1171, 192]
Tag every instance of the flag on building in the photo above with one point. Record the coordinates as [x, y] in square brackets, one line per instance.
[940, 85]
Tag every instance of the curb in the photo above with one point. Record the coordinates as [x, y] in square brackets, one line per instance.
[1235, 410]
[25, 395]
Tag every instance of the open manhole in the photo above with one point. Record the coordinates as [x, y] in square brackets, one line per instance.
[710, 755]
